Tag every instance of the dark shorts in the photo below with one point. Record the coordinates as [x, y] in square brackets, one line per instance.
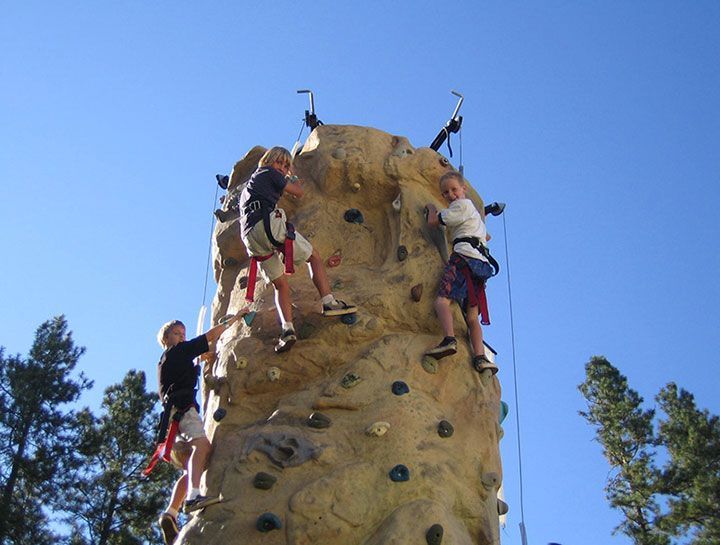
[452, 282]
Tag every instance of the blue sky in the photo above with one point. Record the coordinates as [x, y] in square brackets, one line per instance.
[597, 122]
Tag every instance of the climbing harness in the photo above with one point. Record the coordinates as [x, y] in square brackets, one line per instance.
[480, 247]
[453, 125]
[166, 433]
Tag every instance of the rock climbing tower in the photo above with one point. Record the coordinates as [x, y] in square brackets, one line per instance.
[350, 438]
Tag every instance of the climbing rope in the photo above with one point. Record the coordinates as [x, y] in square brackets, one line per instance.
[517, 405]
[462, 166]
[207, 264]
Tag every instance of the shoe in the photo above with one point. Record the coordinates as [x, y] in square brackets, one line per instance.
[286, 340]
[480, 363]
[338, 308]
[198, 502]
[447, 347]
[168, 528]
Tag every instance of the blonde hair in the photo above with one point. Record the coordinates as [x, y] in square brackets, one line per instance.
[450, 175]
[165, 329]
[276, 153]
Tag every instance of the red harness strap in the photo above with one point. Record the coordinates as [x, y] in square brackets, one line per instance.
[163, 449]
[475, 298]
[286, 250]
[252, 275]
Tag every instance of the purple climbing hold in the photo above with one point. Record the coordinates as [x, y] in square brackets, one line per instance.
[268, 522]
[219, 414]
[399, 474]
[434, 534]
[399, 388]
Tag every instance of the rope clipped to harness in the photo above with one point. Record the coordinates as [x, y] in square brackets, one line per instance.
[285, 248]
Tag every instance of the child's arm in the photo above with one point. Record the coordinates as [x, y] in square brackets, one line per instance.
[213, 334]
[432, 215]
[294, 188]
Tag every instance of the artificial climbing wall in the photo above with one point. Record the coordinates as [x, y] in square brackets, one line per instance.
[350, 438]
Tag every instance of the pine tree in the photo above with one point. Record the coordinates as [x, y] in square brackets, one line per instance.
[625, 432]
[107, 501]
[37, 430]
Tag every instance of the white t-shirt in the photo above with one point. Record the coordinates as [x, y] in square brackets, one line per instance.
[463, 220]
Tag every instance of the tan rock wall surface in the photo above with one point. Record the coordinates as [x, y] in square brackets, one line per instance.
[333, 483]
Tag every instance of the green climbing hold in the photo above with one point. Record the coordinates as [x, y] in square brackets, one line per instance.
[445, 429]
[430, 364]
[434, 534]
[402, 253]
[504, 410]
[318, 421]
[399, 474]
[219, 414]
[268, 522]
[350, 380]
[264, 481]
[249, 317]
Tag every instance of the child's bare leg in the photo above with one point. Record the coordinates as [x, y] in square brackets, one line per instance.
[198, 459]
[318, 273]
[282, 298]
[444, 314]
[178, 493]
[476, 335]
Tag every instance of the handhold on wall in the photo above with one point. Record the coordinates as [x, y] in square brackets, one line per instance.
[335, 259]
[399, 388]
[397, 203]
[338, 284]
[399, 474]
[318, 421]
[434, 535]
[273, 373]
[241, 362]
[377, 429]
[416, 292]
[356, 187]
[349, 319]
[402, 253]
[353, 215]
[430, 364]
[268, 522]
[219, 414]
[230, 262]
[243, 282]
[490, 480]
[350, 380]
[264, 481]
[504, 410]
[502, 507]
[445, 429]
[249, 317]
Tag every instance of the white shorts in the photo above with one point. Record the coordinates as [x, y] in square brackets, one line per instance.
[258, 244]
[191, 426]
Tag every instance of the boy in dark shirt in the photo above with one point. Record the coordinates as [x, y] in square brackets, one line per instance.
[177, 386]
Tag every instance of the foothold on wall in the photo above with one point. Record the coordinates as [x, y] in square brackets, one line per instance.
[399, 388]
[349, 319]
[502, 507]
[397, 203]
[338, 284]
[430, 364]
[350, 380]
[264, 481]
[490, 480]
[445, 429]
[353, 215]
[434, 534]
[219, 414]
[356, 187]
[319, 421]
[402, 253]
[399, 474]
[377, 429]
[273, 374]
[243, 282]
[230, 262]
[339, 153]
[504, 410]
[249, 317]
[241, 362]
[416, 292]
[335, 259]
[268, 522]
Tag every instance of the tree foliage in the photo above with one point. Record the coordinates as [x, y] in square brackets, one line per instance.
[660, 505]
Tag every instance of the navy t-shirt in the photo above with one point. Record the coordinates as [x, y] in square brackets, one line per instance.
[177, 374]
[260, 195]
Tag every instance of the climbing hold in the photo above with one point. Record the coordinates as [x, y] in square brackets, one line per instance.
[399, 388]
[249, 317]
[350, 380]
[335, 259]
[348, 319]
[430, 364]
[399, 474]
[416, 292]
[402, 253]
[502, 507]
[504, 409]
[377, 429]
[267, 522]
[264, 481]
[219, 414]
[273, 374]
[230, 262]
[223, 180]
[490, 480]
[397, 203]
[241, 362]
[434, 535]
[445, 429]
[243, 282]
[318, 421]
[339, 154]
[356, 187]
[444, 162]
[353, 215]
[337, 284]
[306, 330]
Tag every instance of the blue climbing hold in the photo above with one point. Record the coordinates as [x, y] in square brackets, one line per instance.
[267, 522]
[399, 388]
[249, 317]
[353, 215]
[219, 414]
[399, 474]
[348, 319]
[434, 534]
[504, 410]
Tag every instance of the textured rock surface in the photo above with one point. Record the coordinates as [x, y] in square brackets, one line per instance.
[333, 482]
